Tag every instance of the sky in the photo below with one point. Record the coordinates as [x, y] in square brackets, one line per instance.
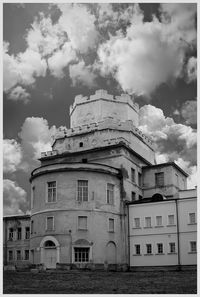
[53, 52]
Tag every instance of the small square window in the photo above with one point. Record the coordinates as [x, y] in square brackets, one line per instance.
[159, 179]
[171, 220]
[137, 249]
[158, 220]
[82, 223]
[160, 248]
[192, 218]
[149, 248]
[172, 247]
[193, 246]
[148, 222]
[137, 222]
[111, 225]
[110, 194]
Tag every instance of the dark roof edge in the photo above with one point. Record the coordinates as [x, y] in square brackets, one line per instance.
[25, 216]
[167, 164]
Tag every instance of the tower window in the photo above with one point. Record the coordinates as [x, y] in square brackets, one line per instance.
[82, 190]
[110, 193]
[51, 191]
[159, 179]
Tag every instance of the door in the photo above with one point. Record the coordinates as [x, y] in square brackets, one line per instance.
[50, 258]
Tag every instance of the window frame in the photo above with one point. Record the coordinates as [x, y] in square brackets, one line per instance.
[159, 245]
[81, 200]
[19, 233]
[172, 250]
[137, 226]
[20, 253]
[192, 250]
[159, 179]
[110, 200]
[148, 245]
[47, 191]
[133, 175]
[27, 232]
[111, 230]
[9, 233]
[146, 225]
[133, 194]
[192, 220]
[81, 248]
[169, 223]
[53, 226]
[12, 258]
[139, 179]
[137, 249]
[25, 258]
[157, 220]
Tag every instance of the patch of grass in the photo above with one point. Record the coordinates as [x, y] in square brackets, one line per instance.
[100, 282]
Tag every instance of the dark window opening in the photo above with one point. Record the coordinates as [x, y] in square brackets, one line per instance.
[84, 160]
[81, 144]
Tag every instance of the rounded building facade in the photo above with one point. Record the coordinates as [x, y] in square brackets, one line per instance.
[76, 215]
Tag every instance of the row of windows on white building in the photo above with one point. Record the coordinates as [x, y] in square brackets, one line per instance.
[18, 255]
[159, 221]
[82, 224]
[148, 250]
[19, 234]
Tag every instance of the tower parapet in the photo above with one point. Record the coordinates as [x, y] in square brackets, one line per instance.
[101, 105]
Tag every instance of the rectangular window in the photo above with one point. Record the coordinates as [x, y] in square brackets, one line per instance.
[192, 218]
[148, 222]
[177, 180]
[172, 247]
[50, 223]
[158, 220]
[82, 190]
[111, 225]
[18, 255]
[137, 249]
[139, 179]
[82, 222]
[133, 175]
[160, 248]
[193, 246]
[149, 248]
[32, 226]
[81, 254]
[51, 197]
[140, 197]
[11, 234]
[159, 179]
[10, 255]
[110, 193]
[27, 233]
[133, 196]
[137, 222]
[26, 255]
[171, 220]
[19, 233]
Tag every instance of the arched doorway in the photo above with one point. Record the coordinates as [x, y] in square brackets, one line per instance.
[50, 251]
[111, 253]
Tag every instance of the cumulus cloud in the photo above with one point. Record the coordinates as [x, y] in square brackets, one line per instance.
[189, 112]
[79, 24]
[60, 59]
[80, 73]
[172, 141]
[14, 198]
[191, 170]
[22, 69]
[45, 37]
[191, 69]
[19, 94]
[149, 53]
[12, 155]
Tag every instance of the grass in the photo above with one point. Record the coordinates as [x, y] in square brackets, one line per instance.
[98, 282]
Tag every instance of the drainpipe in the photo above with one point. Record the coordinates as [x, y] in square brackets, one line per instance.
[5, 241]
[178, 237]
[70, 258]
[129, 262]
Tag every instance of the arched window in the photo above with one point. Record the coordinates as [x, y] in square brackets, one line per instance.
[49, 243]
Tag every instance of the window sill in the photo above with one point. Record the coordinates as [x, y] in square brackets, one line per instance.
[192, 252]
[172, 253]
[148, 254]
[192, 223]
[161, 226]
[161, 254]
[172, 225]
[136, 228]
[148, 227]
[111, 231]
[137, 255]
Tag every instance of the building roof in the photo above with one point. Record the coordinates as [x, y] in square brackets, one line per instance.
[21, 216]
[167, 164]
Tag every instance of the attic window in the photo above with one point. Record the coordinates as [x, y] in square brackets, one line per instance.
[80, 144]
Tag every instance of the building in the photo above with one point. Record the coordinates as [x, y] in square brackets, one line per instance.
[99, 177]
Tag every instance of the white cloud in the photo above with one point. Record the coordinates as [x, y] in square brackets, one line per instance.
[22, 69]
[149, 53]
[12, 155]
[172, 140]
[60, 59]
[191, 170]
[45, 37]
[14, 198]
[79, 24]
[80, 73]
[191, 69]
[19, 94]
[189, 111]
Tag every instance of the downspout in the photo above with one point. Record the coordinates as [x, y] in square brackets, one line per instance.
[5, 242]
[129, 262]
[178, 237]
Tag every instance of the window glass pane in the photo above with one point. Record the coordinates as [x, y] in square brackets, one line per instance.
[137, 249]
[149, 249]
[160, 248]
[49, 223]
[111, 225]
[137, 222]
[110, 193]
[81, 254]
[159, 221]
[133, 196]
[171, 219]
[172, 247]
[132, 175]
[148, 222]
[51, 191]
[192, 218]
[82, 190]
[193, 246]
